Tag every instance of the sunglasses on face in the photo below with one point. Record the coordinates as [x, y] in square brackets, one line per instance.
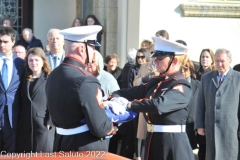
[140, 57]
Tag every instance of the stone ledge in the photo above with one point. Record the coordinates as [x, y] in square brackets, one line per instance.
[211, 10]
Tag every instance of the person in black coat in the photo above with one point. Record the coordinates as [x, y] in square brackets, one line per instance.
[92, 20]
[143, 56]
[188, 70]
[237, 67]
[131, 55]
[28, 40]
[130, 143]
[164, 101]
[206, 64]
[74, 96]
[35, 133]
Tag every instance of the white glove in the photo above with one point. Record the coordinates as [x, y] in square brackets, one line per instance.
[120, 100]
[106, 104]
[116, 108]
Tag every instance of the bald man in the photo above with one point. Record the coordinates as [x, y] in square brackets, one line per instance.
[28, 40]
[20, 51]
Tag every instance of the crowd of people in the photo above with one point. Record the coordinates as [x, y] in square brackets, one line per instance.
[182, 105]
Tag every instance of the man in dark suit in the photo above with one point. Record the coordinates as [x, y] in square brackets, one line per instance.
[28, 40]
[12, 70]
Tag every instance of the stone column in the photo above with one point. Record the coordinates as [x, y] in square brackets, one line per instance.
[107, 13]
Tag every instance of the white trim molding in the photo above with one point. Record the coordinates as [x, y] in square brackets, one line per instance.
[211, 10]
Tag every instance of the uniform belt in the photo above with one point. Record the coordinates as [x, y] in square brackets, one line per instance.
[166, 128]
[72, 131]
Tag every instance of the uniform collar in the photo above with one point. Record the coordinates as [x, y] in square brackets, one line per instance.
[73, 61]
[176, 75]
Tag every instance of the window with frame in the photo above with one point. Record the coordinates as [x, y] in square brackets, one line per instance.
[12, 9]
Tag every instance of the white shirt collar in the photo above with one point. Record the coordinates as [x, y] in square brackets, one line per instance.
[9, 57]
[224, 73]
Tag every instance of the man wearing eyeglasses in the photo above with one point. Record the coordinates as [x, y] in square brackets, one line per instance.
[20, 51]
[75, 97]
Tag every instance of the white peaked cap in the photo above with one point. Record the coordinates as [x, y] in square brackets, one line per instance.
[81, 33]
[164, 45]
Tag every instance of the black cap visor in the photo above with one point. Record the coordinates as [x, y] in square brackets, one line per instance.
[162, 54]
[93, 43]
[89, 42]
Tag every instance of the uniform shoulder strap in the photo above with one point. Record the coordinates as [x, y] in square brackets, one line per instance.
[180, 81]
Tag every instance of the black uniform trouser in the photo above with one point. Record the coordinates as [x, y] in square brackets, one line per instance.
[202, 147]
[113, 144]
[7, 134]
[128, 146]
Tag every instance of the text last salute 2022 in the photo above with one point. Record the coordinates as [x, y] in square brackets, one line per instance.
[61, 154]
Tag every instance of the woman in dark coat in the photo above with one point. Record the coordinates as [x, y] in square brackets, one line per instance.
[143, 56]
[129, 129]
[35, 134]
[206, 61]
[92, 20]
[187, 69]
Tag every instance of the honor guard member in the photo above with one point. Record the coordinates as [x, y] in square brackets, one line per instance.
[73, 94]
[164, 101]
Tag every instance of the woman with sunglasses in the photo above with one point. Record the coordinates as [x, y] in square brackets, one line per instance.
[143, 56]
[130, 143]
[188, 71]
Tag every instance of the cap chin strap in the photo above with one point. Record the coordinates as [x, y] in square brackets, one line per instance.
[87, 53]
[168, 65]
